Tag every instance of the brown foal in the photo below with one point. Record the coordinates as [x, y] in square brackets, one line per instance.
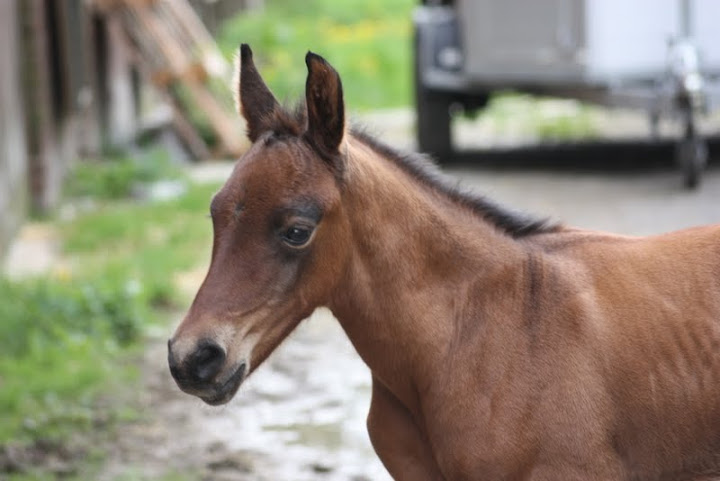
[501, 348]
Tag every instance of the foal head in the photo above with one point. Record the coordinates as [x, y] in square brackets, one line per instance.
[279, 235]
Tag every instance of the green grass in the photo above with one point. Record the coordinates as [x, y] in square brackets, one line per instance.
[117, 176]
[58, 370]
[367, 41]
[67, 339]
[144, 244]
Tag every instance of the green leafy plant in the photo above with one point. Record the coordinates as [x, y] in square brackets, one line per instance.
[116, 176]
[367, 41]
[67, 338]
[58, 339]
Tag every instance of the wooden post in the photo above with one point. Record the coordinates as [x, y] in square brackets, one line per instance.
[13, 154]
[44, 157]
[122, 117]
[176, 49]
[91, 132]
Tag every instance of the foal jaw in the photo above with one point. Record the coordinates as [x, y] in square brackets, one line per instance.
[223, 392]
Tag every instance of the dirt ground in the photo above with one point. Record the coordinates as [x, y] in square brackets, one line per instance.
[301, 416]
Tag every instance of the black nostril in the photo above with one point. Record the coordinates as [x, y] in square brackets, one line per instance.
[207, 361]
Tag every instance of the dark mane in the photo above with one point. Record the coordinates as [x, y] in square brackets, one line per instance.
[291, 121]
[421, 168]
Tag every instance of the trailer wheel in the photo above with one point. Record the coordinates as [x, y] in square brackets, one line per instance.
[691, 153]
[433, 123]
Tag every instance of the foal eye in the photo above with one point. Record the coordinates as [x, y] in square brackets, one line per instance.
[297, 236]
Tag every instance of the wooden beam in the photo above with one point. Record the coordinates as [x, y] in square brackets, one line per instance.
[177, 49]
[44, 158]
[186, 131]
[226, 125]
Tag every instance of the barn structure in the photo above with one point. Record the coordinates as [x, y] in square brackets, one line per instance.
[70, 82]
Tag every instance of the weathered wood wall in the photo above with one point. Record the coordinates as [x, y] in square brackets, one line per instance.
[68, 87]
[51, 102]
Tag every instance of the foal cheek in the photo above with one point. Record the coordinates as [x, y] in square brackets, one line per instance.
[331, 259]
[239, 275]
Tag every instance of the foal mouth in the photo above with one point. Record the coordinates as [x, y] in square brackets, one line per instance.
[224, 392]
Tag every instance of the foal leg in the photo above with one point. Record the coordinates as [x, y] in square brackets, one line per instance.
[397, 440]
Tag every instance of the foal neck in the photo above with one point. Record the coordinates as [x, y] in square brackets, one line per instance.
[416, 256]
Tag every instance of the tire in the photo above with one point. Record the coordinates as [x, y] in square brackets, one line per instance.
[433, 124]
[432, 109]
[433, 104]
[691, 153]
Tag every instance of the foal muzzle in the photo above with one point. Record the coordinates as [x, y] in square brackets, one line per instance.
[201, 372]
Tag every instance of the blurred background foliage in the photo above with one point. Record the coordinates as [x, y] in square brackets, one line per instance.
[367, 41]
[68, 337]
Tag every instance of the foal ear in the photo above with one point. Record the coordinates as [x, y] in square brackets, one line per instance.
[325, 108]
[257, 103]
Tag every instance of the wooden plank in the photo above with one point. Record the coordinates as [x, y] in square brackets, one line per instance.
[169, 43]
[227, 126]
[192, 23]
[172, 57]
[44, 160]
[143, 42]
[89, 99]
[176, 47]
[107, 5]
[13, 153]
[186, 131]
[121, 106]
[182, 126]
[211, 57]
[179, 33]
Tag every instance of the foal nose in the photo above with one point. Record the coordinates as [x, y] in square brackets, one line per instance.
[200, 366]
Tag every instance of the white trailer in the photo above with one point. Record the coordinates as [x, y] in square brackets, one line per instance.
[662, 56]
